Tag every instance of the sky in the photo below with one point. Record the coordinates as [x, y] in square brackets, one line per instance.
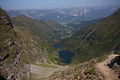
[50, 4]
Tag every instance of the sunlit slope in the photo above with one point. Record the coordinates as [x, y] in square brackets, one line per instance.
[96, 40]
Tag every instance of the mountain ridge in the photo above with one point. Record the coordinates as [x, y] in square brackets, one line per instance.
[45, 29]
[95, 40]
[65, 15]
[19, 48]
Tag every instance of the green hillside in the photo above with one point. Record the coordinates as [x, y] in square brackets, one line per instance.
[48, 31]
[77, 25]
[96, 40]
[19, 48]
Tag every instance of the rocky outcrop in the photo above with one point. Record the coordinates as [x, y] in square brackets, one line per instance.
[116, 48]
[114, 64]
[18, 48]
[12, 67]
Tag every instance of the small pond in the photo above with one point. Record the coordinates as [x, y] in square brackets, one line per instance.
[66, 56]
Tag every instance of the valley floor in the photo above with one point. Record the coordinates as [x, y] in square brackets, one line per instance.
[43, 71]
[108, 73]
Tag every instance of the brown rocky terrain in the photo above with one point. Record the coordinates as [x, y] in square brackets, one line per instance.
[82, 71]
[108, 73]
[96, 69]
[18, 48]
[12, 65]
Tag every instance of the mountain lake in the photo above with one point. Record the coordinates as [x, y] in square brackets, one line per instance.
[65, 55]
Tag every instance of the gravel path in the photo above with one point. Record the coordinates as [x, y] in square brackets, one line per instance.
[45, 72]
[105, 70]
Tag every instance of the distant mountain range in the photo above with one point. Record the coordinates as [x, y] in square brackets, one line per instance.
[65, 15]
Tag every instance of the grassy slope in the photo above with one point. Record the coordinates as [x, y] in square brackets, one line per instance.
[96, 40]
[18, 47]
[35, 49]
[42, 33]
[48, 31]
[76, 25]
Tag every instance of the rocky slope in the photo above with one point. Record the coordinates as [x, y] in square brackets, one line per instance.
[96, 40]
[12, 65]
[106, 67]
[18, 48]
[82, 71]
[110, 74]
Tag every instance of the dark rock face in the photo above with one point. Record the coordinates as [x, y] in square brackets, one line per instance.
[119, 76]
[116, 48]
[115, 65]
[12, 66]
[114, 62]
[5, 19]
[2, 78]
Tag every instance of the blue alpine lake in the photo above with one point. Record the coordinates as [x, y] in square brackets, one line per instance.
[66, 56]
